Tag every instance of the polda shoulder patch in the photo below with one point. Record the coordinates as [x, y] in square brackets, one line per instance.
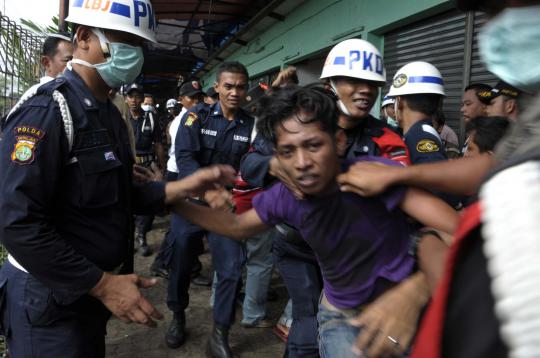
[191, 118]
[427, 146]
[27, 138]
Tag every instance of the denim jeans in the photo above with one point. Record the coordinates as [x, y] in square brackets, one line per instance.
[258, 274]
[336, 335]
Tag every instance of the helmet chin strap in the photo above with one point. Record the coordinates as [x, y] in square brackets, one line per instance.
[340, 103]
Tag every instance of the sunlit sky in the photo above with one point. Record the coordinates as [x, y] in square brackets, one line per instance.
[39, 11]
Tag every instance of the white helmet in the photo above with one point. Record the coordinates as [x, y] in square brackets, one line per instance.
[132, 16]
[171, 103]
[415, 78]
[388, 100]
[355, 58]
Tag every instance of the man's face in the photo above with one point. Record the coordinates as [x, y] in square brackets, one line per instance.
[232, 89]
[497, 107]
[188, 102]
[148, 101]
[134, 100]
[56, 64]
[472, 148]
[390, 111]
[308, 155]
[357, 95]
[471, 106]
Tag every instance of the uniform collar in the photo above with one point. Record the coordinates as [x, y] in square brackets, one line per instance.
[240, 116]
[86, 97]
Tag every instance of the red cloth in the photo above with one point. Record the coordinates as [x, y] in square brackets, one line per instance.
[392, 147]
[428, 343]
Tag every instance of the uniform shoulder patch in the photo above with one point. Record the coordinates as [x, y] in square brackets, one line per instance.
[191, 118]
[27, 138]
[427, 146]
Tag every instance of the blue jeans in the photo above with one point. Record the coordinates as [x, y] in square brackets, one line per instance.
[259, 272]
[336, 336]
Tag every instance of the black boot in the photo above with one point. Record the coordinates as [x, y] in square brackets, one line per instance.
[218, 344]
[145, 250]
[176, 335]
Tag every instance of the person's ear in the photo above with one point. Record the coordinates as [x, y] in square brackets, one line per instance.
[216, 86]
[45, 61]
[83, 37]
[510, 106]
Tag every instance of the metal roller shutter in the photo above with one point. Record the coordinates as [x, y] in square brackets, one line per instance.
[448, 41]
[438, 40]
[479, 73]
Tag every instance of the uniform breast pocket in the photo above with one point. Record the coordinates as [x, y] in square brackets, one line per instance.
[240, 143]
[208, 141]
[99, 175]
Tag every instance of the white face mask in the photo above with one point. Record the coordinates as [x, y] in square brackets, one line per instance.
[147, 107]
[390, 120]
[396, 110]
[340, 103]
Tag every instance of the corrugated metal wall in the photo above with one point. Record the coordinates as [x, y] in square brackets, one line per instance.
[442, 41]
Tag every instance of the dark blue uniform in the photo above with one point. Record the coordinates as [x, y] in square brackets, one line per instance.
[204, 138]
[424, 143]
[295, 259]
[66, 218]
[147, 133]
[425, 146]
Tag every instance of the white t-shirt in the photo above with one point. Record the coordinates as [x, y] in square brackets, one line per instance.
[173, 129]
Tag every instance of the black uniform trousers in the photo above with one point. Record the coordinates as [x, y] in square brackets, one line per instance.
[48, 329]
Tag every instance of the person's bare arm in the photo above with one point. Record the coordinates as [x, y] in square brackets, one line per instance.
[237, 227]
[393, 314]
[201, 180]
[432, 254]
[461, 176]
[430, 210]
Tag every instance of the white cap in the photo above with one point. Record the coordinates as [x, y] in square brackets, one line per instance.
[171, 103]
[133, 16]
[355, 58]
[416, 78]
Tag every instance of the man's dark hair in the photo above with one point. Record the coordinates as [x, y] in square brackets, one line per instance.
[286, 102]
[426, 103]
[50, 46]
[232, 67]
[487, 131]
[478, 87]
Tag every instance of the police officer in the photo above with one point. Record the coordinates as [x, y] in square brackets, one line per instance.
[56, 52]
[147, 144]
[209, 134]
[356, 87]
[418, 91]
[68, 197]
[388, 112]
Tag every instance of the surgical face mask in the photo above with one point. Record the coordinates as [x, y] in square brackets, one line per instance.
[340, 103]
[123, 64]
[391, 121]
[147, 107]
[510, 47]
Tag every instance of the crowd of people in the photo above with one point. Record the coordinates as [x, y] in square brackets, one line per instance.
[392, 237]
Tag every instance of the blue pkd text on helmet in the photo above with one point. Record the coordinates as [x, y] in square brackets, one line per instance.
[368, 60]
[141, 9]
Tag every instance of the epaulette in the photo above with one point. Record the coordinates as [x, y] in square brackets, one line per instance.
[51, 88]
